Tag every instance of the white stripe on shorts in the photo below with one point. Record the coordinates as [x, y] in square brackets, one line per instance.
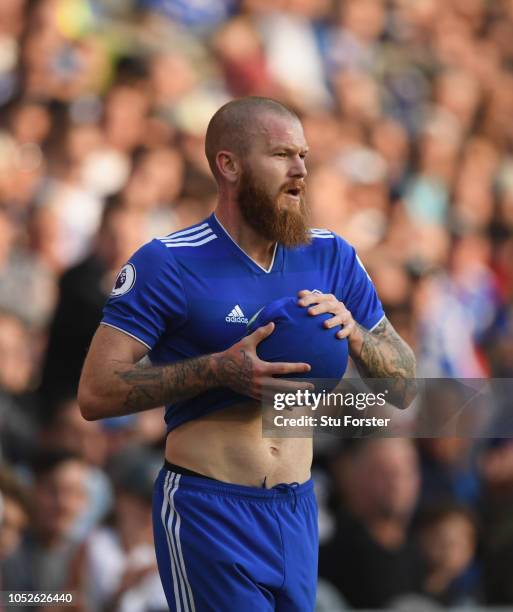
[178, 544]
[170, 544]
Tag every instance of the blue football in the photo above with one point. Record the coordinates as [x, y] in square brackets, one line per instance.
[301, 337]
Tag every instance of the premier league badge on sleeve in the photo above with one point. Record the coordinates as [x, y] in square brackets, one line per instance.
[125, 281]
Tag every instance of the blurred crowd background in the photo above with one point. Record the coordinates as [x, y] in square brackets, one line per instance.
[408, 109]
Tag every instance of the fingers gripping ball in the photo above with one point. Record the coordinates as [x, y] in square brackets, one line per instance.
[301, 337]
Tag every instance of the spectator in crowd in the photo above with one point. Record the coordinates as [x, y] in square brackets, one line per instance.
[66, 431]
[370, 558]
[27, 287]
[448, 542]
[57, 496]
[83, 291]
[17, 402]
[15, 513]
[448, 470]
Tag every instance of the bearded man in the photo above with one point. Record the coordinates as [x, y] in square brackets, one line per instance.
[235, 517]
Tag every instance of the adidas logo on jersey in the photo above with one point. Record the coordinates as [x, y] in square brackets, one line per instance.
[236, 316]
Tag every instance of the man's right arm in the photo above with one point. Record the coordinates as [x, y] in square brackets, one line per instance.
[113, 384]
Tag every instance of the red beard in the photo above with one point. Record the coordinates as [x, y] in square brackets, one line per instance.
[263, 214]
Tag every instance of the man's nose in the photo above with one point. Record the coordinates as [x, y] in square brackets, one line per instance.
[298, 167]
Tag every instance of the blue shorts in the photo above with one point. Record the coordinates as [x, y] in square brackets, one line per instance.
[223, 547]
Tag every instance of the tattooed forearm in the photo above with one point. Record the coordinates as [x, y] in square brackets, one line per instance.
[150, 386]
[147, 386]
[383, 354]
[236, 374]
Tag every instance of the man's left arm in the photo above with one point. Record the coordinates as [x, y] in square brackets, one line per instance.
[382, 353]
[378, 354]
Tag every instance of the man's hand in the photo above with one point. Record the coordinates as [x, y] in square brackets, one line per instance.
[240, 368]
[318, 303]
[377, 354]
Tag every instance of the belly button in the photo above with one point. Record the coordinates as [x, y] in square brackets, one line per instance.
[274, 450]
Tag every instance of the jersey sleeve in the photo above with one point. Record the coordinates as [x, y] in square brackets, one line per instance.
[148, 297]
[356, 290]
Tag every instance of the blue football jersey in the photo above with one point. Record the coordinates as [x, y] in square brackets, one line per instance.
[193, 292]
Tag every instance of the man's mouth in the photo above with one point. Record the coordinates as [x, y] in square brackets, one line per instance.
[293, 192]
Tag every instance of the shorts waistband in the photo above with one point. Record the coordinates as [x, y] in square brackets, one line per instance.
[281, 491]
[178, 469]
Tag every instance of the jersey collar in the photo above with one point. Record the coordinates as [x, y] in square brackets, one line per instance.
[223, 233]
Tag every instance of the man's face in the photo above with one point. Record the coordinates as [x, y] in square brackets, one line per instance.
[14, 521]
[388, 473]
[272, 185]
[60, 496]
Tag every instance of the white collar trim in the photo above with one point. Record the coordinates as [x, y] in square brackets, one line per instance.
[267, 271]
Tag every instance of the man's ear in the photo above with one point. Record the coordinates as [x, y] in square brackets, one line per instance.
[228, 166]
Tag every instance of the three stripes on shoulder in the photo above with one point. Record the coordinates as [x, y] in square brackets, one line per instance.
[193, 237]
[321, 233]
